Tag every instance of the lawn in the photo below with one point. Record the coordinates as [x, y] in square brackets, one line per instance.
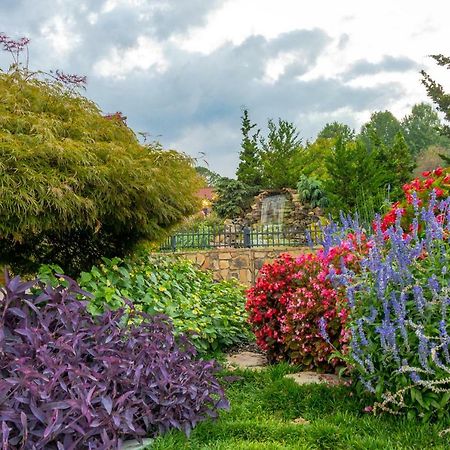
[264, 406]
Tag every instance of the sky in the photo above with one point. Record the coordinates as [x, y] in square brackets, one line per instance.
[184, 70]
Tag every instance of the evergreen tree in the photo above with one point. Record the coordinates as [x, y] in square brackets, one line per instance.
[398, 162]
[249, 169]
[278, 150]
[355, 177]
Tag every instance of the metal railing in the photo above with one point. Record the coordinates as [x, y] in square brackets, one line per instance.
[231, 236]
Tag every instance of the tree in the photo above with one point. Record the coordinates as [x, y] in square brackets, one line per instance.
[398, 162]
[436, 92]
[382, 128]
[356, 177]
[335, 130]
[75, 185]
[278, 150]
[249, 169]
[211, 178]
[421, 128]
[233, 198]
[310, 160]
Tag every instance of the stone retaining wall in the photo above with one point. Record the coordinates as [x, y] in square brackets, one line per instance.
[240, 263]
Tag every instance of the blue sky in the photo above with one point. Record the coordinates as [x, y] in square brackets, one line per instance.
[183, 70]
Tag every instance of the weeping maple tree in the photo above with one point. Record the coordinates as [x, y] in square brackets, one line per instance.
[76, 185]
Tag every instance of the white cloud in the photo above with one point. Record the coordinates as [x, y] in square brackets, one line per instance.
[60, 32]
[145, 55]
[211, 143]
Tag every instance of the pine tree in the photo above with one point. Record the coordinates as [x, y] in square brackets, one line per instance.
[249, 169]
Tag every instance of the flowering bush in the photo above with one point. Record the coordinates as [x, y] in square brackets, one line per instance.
[71, 381]
[417, 193]
[399, 307]
[293, 303]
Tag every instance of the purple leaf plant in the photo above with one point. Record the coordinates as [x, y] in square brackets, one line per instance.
[73, 381]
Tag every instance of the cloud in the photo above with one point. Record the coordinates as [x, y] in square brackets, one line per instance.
[147, 54]
[131, 52]
[388, 63]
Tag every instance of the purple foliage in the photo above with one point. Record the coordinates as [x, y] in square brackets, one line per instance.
[70, 79]
[73, 381]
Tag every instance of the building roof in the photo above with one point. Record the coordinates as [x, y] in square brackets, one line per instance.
[207, 193]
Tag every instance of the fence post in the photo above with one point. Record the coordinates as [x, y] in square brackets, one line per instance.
[173, 242]
[247, 238]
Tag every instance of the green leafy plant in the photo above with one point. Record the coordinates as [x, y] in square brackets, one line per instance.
[212, 312]
[311, 191]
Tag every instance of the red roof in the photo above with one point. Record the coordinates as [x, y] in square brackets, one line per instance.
[207, 192]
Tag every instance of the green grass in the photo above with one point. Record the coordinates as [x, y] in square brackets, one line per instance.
[264, 404]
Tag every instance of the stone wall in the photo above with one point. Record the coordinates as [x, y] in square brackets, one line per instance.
[240, 263]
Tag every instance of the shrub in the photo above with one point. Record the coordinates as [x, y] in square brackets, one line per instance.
[311, 191]
[213, 313]
[73, 381]
[293, 302]
[399, 315]
[76, 185]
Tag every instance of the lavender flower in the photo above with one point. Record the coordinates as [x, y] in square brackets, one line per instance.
[323, 329]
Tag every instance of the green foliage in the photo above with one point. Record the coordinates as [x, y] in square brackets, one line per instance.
[354, 173]
[213, 311]
[278, 150]
[380, 130]
[437, 93]
[75, 183]
[421, 129]
[398, 163]
[335, 130]
[211, 178]
[249, 169]
[363, 177]
[233, 198]
[310, 160]
[311, 191]
[267, 162]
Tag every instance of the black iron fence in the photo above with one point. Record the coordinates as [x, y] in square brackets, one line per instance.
[232, 236]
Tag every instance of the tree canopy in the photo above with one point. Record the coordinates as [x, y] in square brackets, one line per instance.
[382, 128]
[75, 184]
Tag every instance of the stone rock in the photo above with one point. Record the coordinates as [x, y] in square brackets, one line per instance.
[239, 263]
[247, 360]
[135, 445]
[315, 378]
[301, 421]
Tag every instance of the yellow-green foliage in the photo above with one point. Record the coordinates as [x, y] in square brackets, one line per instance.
[65, 170]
